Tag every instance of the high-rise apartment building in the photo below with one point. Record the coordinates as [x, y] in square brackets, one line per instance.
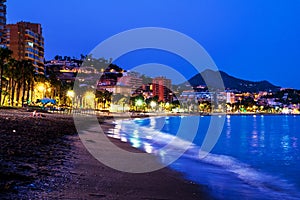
[2, 22]
[161, 87]
[26, 41]
[131, 79]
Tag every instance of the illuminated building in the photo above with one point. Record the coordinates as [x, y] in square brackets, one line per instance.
[2, 22]
[161, 87]
[132, 80]
[64, 70]
[26, 41]
[230, 97]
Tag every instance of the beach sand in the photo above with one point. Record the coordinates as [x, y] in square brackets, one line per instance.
[43, 158]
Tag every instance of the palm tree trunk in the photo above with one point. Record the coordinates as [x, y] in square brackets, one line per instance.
[18, 93]
[5, 95]
[28, 91]
[31, 86]
[1, 73]
[13, 88]
[23, 92]
[10, 90]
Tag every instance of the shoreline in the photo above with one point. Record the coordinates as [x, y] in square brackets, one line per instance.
[93, 180]
[142, 114]
[69, 171]
[57, 165]
[165, 183]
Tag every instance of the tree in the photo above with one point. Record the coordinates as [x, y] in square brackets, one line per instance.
[116, 98]
[5, 54]
[13, 75]
[103, 97]
[27, 70]
[135, 99]
[151, 99]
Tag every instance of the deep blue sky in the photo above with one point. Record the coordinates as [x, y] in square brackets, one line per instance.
[254, 40]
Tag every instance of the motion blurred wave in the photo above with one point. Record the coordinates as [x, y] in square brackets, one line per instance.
[226, 176]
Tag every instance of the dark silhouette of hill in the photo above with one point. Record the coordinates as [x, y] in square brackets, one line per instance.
[230, 82]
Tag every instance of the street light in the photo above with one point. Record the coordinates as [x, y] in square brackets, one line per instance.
[89, 96]
[41, 89]
[153, 104]
[139, 102]
[70, 93]
[89, 99]
[167, 106]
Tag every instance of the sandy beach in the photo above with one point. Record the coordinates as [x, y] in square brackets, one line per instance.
[43, 158]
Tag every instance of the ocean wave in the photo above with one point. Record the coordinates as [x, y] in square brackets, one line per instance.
[273, 187]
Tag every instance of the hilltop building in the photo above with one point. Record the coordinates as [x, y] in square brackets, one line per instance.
[26, 41]
[64, 69]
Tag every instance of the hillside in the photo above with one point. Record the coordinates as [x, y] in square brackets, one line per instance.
[230, 82]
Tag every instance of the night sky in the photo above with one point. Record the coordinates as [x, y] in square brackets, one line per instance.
[253, 40]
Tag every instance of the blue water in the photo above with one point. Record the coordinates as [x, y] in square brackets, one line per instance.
[256, 157]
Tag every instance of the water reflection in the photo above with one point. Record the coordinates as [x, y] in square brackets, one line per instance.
[254, 134]
[254, 137]
[285, 143]
[135, 142]
[262, 132]
[228, 128]
[295, 142]
[285, 125]
[148, 148]
[152, 122]
[137, 138]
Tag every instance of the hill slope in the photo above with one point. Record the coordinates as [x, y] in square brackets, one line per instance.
[230, 82]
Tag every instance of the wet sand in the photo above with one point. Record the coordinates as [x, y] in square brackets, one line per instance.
[43, 158]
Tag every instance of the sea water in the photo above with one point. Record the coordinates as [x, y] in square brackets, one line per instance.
[255, 157]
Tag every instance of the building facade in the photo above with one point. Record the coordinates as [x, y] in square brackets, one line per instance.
[26, 41]
[161, 87]
[64, 70]
[2, 22]
[132, 80]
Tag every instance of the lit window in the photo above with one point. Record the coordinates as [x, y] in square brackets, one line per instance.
[30, 44]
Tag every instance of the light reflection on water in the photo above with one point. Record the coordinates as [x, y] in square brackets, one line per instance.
[137, 138]
[268, 144]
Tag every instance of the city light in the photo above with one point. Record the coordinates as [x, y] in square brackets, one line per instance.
[167, 105]
[70, 93]
[41, 87]
[41, 91]
[139, 102]
[89, 96]
[153, 104]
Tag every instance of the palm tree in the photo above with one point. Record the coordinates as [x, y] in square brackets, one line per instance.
[13, 76]
[5, 81]
[104, 97]
[30, 80]
[5, 54]
[28, 71]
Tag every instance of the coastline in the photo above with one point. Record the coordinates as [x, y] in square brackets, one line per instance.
[73, 173]
[93, 180]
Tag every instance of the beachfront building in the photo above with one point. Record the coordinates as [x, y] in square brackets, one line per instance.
[162, 87]
[132, 80]
[191, 95]
[26, 41]
[230, 97]
[2, 23]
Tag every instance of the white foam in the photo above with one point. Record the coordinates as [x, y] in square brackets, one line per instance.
[154, 139]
